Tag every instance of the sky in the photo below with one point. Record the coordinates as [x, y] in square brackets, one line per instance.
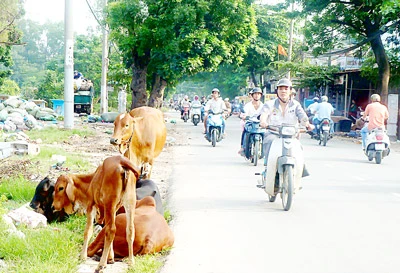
[53, 10]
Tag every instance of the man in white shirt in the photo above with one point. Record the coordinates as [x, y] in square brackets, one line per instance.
[323, 110]
[281, 110]
[216, 105]
[251, 109]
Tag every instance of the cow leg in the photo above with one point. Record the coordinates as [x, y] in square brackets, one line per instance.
[110, 229]
[90, 214]
[129, 202]
[146, 170]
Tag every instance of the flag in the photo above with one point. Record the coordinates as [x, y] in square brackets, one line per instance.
[281, 50]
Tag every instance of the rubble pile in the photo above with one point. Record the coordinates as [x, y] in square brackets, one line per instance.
[18, 114]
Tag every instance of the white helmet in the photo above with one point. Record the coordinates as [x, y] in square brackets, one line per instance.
[226, 99]
[284, 82]
[324, 98]
[375, 97]
[215, 90]
[186, 97]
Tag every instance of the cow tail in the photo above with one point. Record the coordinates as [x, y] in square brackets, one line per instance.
[127, 164]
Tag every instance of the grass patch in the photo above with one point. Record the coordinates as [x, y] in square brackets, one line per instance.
[147, 264]
[52, 249]
[53, 134]
[17, 190]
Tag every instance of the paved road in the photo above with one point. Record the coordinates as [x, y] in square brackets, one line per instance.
[345, 219]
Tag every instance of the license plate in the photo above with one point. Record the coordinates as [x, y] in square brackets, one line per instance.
[379, 146]
[78, 106]
[325, 128]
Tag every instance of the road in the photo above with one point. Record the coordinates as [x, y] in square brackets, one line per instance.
[345, 219]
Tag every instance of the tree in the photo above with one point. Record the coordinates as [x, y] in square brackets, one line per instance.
[9, 34]
[165, 40]
[363, 20]
[273, 28]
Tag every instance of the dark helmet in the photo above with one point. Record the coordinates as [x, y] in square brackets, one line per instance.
[255, 90]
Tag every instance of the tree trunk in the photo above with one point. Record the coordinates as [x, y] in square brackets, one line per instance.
[383, 68]
[253, 78]
[157, 92]
[138, 86]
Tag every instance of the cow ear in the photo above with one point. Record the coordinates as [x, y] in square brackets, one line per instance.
[137, 119]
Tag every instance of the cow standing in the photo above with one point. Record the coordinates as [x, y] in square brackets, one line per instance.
[102, 192]
[140, 136]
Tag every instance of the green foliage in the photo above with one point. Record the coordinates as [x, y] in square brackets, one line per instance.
[9, 87]
[177, 38]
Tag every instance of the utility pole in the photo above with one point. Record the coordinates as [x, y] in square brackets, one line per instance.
[290, 40]
[104, 69]
[68, 67]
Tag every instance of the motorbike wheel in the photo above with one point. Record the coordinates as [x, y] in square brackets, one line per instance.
[213, 137]
[271, 198]
[185, 117]
[195, 122]
[325, 138]
[378, 157]
[287, 187]
[256, 152]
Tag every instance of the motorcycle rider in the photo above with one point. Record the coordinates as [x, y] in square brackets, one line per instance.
[377, 113]
[196, 101]
[251, 109]
[185, 103]
[323, 110]
[281, 110]
[216, 105]
[228, 107]
[311, 108]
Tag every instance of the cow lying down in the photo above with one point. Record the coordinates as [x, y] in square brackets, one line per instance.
[152, 233]
[43, 198]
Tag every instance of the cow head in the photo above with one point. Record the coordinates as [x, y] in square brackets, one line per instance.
[63, 194]
[43, 196]
[124, 128]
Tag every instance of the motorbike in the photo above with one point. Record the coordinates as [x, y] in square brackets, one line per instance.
[377, 145]
[196, 114]
[284, 170]
[214, 128]
[323, 132]
[185, 116]
[253, 141]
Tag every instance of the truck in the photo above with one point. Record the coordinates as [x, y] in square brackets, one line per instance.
[83, 99]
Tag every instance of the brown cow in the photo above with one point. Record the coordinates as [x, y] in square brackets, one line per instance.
[102, 192]
[140, 136]
[152, 233]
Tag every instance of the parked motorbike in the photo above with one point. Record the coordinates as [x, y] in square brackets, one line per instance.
[214, 128]
[253, 141]
[323, 132]
[185, 115]
[284, 170]
[196, 114]
[377, 145]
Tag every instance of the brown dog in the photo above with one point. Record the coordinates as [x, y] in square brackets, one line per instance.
[152, 233]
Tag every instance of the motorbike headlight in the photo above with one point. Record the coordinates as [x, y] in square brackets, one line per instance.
[288, 131]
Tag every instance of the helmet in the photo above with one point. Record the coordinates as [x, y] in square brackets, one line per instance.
[324, 98]
[215, 90]
[315, 99]
[255, 90]
[196, 97]
[375, 97]
[226, 99]
[186, 97]
[284, 82]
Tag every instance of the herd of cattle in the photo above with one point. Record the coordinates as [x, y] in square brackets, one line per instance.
[118, 195]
